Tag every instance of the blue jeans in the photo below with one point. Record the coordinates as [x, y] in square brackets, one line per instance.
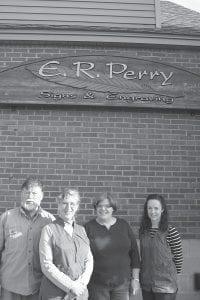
[157, 296]
[97, 292]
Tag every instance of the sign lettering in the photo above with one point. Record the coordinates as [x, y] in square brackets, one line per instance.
[107, 80]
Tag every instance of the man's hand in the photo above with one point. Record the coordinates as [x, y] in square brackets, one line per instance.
[78, 288]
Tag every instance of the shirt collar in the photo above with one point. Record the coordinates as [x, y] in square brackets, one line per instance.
[61, 222]
[37, 213]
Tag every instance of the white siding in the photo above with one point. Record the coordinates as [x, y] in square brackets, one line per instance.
[80, 13]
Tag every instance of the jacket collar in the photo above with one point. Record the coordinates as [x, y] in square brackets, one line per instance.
[62, 223]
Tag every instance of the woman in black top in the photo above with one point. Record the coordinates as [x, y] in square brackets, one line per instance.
[115, 252]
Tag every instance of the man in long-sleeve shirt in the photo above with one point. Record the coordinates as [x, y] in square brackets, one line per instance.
[20, 230]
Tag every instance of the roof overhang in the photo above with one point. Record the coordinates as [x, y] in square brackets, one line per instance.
[161, 37]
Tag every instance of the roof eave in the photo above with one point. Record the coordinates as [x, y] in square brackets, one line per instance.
[128, 37]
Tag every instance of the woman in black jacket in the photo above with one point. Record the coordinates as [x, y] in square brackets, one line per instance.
[161, 252]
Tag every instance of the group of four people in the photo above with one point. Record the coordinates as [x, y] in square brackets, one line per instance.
[48, 258]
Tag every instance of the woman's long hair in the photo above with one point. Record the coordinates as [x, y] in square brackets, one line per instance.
[145, 224]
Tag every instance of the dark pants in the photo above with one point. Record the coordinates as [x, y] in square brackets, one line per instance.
[48, 291]
[97, 292]
[6, 295]
[157, 296]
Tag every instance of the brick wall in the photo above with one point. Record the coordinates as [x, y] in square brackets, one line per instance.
[126, 151]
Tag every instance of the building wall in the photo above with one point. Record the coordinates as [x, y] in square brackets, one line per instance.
[130, 152]
[106, 13]
[191, 266]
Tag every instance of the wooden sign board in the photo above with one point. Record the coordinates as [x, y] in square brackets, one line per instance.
[100, 80]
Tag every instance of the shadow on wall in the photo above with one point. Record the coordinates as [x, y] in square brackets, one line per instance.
[189, 288]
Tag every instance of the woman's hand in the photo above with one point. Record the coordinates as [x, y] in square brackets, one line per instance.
[135, 284]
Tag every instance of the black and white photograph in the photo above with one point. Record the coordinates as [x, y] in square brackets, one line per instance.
[99, 149]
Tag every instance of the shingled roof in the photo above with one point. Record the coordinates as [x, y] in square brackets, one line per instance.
[178, 19]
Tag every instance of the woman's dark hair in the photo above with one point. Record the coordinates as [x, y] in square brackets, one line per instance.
[106, 196]
[146, 222]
